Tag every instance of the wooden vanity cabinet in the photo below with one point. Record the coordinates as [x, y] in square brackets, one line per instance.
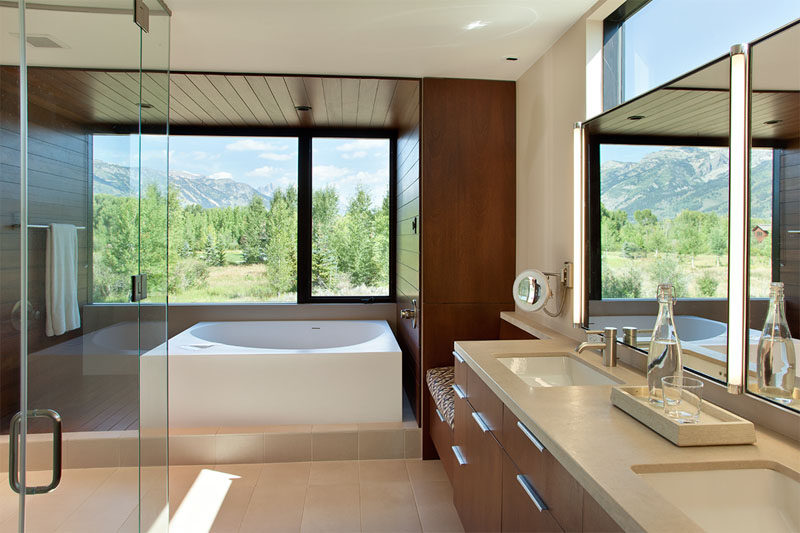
[476, 493]
[508, 471]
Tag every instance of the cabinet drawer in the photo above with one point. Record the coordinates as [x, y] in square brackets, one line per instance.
[442, 437]
[560, 491]
[477, 455]
[521, 510]
[595, 519]
[460, 371]
[484, 401]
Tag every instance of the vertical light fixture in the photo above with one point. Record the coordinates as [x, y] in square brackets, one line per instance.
[738, 219]
[578, 224]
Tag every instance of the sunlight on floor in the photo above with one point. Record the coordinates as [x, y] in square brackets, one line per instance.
[198, 510]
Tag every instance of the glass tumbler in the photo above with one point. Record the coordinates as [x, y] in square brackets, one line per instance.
[683, 397]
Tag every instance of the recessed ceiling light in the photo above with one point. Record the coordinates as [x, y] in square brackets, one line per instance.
[475, 24]
[772, 122]
[636, 117]
[512, 58]
[303, 107]
[145, 105]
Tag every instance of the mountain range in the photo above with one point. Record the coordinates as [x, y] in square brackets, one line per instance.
[677, 178]
[192, 188]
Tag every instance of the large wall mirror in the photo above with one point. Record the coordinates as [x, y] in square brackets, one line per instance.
[657, 203]
[658, 212]
[774, 254]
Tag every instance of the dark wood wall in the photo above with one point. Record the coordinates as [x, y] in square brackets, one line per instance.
[468, 194]
[407, 242]
[59, 152]
[789, 210]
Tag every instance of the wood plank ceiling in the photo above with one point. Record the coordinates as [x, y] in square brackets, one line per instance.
[226, 100]
[678, 112]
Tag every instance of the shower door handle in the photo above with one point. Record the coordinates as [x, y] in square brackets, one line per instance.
[13, 457]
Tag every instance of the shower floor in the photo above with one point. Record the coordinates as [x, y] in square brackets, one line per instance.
[393, 495]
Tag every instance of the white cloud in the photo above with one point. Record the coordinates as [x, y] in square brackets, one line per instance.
[357, 145]
[329, 172]
[256, 145]
[262, 172]
[272, 156]
[355, 155]
[221, 176]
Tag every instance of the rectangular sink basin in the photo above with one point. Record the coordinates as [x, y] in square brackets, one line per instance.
[750, 499]
[555, 371]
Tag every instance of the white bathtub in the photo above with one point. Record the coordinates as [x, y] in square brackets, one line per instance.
[284, 372]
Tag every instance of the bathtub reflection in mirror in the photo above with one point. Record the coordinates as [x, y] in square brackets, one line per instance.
[775, 236]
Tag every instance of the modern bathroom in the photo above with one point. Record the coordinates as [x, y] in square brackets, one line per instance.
[518, 266]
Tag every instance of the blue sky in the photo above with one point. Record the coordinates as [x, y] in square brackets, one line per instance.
[260, 161]
[667, 38]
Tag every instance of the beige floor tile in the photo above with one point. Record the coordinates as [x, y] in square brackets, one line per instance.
[413, 443]
[274, 508]
[287, 447]
[192, 449]
[388, 507]
[383, 471]
[109, 506]
[46, 512]
[334, 473]
[434, 501]
[281, 474]
[334, 446]
[334, 428]
[237, 500]
[181, 479]
[332, 508]
[382, 444]
[91, 449]
[245, 448]
[419, 471]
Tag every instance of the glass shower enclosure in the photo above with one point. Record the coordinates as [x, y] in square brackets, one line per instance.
[83, 265]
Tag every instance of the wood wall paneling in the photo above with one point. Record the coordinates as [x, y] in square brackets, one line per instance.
[467, 201]
[58, 174]
[407, 240]
[789, 212]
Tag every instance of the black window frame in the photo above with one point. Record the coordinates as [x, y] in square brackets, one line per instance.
[614, 52]
[304, 138]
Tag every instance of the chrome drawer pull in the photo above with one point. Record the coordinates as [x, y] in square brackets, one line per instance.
[439, 414]
[531, 492]
[459, 392]
[458, 356]
[536, 442]
[481, 423]
[459, 455]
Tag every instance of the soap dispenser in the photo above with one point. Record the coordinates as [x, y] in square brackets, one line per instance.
[776, 357]
[664, 357]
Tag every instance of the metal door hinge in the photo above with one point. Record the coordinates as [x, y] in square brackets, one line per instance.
[141, 15]
[138, 287]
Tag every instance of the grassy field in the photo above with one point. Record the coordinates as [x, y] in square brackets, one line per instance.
[717, 268]
[237, 282]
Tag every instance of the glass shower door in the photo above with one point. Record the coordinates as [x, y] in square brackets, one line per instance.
[89, 214]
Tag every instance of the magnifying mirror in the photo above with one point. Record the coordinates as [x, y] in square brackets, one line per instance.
[531, 290]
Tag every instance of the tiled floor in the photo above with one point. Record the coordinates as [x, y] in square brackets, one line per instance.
[380, 495]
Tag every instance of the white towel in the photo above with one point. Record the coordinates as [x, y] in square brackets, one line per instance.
[61, 280]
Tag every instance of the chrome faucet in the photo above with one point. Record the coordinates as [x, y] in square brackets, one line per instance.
[608, 348]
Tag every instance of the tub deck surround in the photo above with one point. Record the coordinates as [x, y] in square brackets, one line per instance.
[260, 373]
[599, 444]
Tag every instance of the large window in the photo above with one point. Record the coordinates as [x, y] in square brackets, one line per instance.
[241, 227]
[649, 42]
[664, 218]
[350, 222]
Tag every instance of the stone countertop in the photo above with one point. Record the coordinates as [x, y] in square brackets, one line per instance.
[597, 442]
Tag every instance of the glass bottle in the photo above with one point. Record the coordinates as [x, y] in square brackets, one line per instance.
[776, 357]
[664, 357]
